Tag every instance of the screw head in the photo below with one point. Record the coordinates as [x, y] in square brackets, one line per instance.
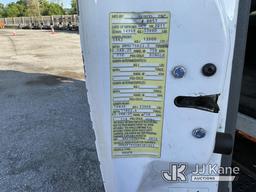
[179, 72]
[199, 133]
[209, 69]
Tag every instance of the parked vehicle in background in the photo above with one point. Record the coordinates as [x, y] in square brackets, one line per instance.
[62, 22]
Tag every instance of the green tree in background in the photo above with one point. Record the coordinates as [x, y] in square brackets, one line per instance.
[15, 10]
[73, 9]
[33, 8]
[2, 10]
[53, 9]
[21, 5]
[43, 4]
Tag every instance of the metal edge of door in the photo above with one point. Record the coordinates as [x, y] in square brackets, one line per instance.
[236, 79]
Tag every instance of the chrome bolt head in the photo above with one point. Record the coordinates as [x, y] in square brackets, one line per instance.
[199, 133]
[179, 72]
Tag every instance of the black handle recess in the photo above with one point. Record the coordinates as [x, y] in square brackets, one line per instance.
[223, 143]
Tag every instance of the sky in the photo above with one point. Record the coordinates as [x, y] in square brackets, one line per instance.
[65, 2]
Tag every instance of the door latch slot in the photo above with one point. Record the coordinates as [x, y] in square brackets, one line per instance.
[206, 103]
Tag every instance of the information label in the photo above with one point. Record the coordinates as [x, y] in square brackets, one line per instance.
[138, 54]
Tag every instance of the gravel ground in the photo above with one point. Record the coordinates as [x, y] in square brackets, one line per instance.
[46, 136]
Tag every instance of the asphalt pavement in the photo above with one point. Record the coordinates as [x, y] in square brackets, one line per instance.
[46, 135]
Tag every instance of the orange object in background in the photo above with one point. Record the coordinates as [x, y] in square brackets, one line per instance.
[1, 25]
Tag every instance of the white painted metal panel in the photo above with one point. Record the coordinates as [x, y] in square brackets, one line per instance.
[201, 31]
